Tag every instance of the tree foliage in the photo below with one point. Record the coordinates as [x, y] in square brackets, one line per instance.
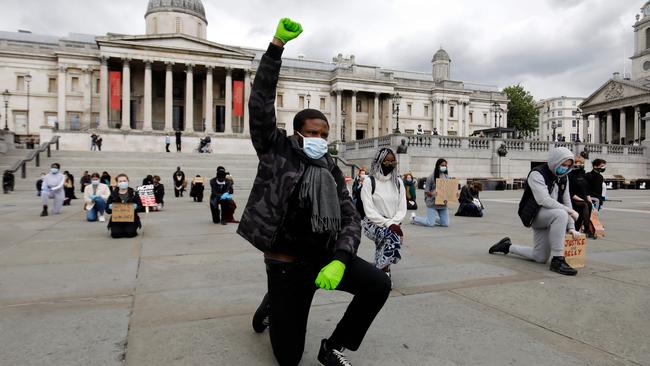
[522, 113]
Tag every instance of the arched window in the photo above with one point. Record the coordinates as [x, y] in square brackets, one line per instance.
[179, 25]
[198, 30]
[647, 38]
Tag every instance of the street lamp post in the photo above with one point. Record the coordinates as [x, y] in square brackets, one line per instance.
[308, 97]
[553, 126]
[578, 117]
[5, 98]
[397, 99]
[28, 80]
[496, 108]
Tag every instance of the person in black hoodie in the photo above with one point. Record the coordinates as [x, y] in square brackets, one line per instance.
[179, 182]
[301, 216]
[580, 199]
[124, 194]
[158, 192]
[595, 182]
[470, 203]
[221, 190]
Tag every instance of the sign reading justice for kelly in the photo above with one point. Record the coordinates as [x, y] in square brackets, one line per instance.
[575, 250]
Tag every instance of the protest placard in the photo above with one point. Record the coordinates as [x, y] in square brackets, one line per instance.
[597, 226]
[147, 197]
[446, 190]
[123, 212]
[575, 250]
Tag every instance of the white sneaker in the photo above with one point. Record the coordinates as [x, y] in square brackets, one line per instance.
[101, 218]
[412, 217]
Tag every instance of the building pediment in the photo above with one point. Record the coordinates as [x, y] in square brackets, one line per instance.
[615, 90]
[173, 43]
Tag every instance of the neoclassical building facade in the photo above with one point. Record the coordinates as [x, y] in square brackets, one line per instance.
[173, 78]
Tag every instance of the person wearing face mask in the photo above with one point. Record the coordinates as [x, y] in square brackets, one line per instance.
[124, 194]
[436, 214]
[546, 207]
[95, 196]
[409, 185]
[470, 204]
[595, 182]
[221, 193]
[385, 209]
[580, 199]
[159, 193]
[52, 187]
[301, 216]
[179, 182]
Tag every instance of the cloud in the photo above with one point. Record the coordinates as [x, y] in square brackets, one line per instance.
[551, 47]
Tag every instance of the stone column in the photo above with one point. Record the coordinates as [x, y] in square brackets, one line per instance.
[375, 117]
[353, 116]
[126, 94]
[597, 139]
[147, 126]
[637, 123]
[189, 98]
[445, 116]
[623, 125]
[610, 128]
[461, 119]
[87, 98]
[467, 121]
[169, 96]
[647, 128]
[61, 111]
[436, 114]
[339, 115]
[584, 133]
[103, 94]
[247, 97]
[228, 122]
[209, 100]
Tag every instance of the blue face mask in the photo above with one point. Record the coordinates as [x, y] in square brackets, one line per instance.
[443, 169]
[54, 170]
[561, 170]
[123, 185]
[314, 147]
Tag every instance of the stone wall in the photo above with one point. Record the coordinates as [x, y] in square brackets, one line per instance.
[479, 158]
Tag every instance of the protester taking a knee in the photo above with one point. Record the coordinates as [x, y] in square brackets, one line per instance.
[95, 197]
[125, 195]
[470, 204]
[580, 198]
[546, 207]
[221, 193]
[301, 216]
[595, 182]
[384, 204]
[52, 187]
[437, 214]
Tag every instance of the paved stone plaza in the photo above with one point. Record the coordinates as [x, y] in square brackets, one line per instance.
[184, 293]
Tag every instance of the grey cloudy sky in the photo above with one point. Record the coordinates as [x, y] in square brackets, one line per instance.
[552, 47]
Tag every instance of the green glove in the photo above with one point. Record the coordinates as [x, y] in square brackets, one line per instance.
[288, 30]
[330, 276]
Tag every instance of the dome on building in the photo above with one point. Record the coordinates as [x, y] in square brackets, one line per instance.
[441, 55]
[192, 7]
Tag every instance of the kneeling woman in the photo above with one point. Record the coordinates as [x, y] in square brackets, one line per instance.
[384, 203]
[470, 203]
[123, 194]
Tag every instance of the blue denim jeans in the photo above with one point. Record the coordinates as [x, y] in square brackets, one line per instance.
[435, 216]
[98, 209]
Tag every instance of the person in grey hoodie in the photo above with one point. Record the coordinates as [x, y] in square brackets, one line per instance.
[548, 186]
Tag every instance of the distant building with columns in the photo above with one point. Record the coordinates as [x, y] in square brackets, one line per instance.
[562, 113]
[173, 78]
[619, 105]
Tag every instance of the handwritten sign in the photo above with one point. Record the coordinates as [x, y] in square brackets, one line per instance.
[599, 229]
[147, 197]
[123, 212]
[446, 190]
[198, 180]
[575, 250]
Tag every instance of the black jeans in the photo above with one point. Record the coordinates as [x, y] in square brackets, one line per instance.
[291, 290]
[167, 147]
[584, 215]
[217, 209]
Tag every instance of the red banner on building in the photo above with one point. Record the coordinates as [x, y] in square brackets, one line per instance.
[238, 98]
[115, 90]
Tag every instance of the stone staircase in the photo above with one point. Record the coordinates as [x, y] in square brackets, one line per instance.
[138, 165]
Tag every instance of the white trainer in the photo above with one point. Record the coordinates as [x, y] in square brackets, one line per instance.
[102, 218]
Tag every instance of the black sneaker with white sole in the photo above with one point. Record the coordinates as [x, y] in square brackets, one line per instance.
[261, 317]
[331, 357]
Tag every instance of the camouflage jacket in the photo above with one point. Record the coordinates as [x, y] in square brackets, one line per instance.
[280, 169]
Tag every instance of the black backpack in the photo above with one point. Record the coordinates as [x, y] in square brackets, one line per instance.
[356, 197]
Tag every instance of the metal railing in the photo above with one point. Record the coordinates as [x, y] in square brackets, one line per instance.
[36, 156]
[352, 166]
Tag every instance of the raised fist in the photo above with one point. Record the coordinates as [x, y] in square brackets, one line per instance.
[287, 30]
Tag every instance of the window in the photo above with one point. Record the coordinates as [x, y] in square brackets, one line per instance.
[574, 103]
[280, 101]
[559, 103]
[20, 83]
[199, 30]
[573, 123]
[409, 109]
[179, 25]
[559, 124]
[74, 85]
[358, 106]
[426, 111]
[50, 118]
[301, 102]
[451, 111]
[574, 137]
[560, 113]
[647, 38]
[471, 117]
[322, 103]
[51, 85]
[553, 114]
[485, 118]
[97, 86]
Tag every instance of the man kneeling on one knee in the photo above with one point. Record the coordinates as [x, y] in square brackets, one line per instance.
[95, 197]
[546, 207]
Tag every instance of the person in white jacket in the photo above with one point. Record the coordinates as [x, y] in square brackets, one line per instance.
[95, 196]
[385, 208]
[52, 187]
